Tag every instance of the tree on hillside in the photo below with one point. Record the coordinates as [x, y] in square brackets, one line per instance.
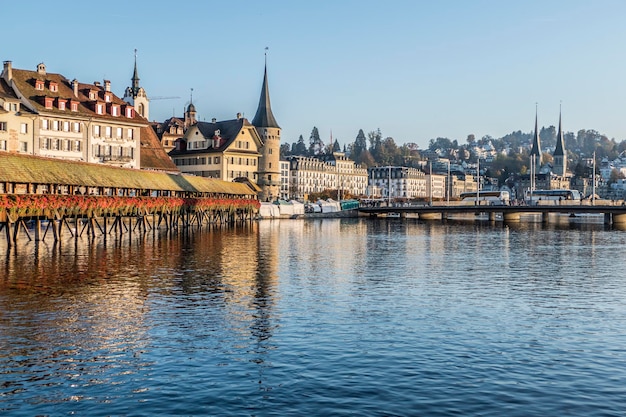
[375, 138]
[316, 146]
[285, 150]
[299, 148]
[360, 143]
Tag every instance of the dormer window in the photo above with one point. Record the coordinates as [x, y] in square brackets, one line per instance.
[61, 103]
[39, 85]
[115, 110]
[73, 105]
[48, 101]
[54, 87]
[107, 97]
[92, 95]
[130, 112]
[99, 108]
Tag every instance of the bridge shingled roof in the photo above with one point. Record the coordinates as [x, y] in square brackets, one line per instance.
[24, 169]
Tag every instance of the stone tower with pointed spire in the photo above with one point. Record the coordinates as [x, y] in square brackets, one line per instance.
[535, 152]
[560, 156]
[269, 132]
[136, 96]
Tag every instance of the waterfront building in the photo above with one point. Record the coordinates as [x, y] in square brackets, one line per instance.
[349, 178]
[231, 149]
[327, 172]
[225, 150]
[11, 118]
[462, 184]
[436, 186]
[268, 175]
[400, 182]
[284, 180]
[72, 120]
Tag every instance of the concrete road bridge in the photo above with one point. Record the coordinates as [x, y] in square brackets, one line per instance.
[613, 214]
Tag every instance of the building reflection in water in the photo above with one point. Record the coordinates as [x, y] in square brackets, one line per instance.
[100, 303]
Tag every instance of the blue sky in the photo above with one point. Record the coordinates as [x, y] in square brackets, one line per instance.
[415, 69]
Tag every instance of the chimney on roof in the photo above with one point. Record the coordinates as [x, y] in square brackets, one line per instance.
[41, 69]
[8, 71]
[238, 116]
[107, 85]
[96, 83]
[213, 120]
[75, 87]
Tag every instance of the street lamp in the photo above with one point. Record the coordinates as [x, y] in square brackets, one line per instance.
[448, 193]
[593, 185]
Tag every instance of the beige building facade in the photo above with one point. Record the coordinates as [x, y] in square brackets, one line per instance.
[71, 120]
[224, 150]
[335, 172]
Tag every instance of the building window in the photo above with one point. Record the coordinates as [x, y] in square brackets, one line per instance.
[92, 95]
[107, 131]
[100, 108]
[115, 110]
[107, 97]
[118, 132]
[24, 146]
[76, 127]
[48, 101]
[130, 133]
[66, 126]
[23, 128]
[96, 130]
[129, 112]
[3, 145]
[54, 87]
[61, 105]
[3, 126]
[216, 160]
[39, 85]
[55, 125]
[77, 145]
[74, 106]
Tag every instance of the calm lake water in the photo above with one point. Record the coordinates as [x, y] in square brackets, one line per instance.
[318, 318]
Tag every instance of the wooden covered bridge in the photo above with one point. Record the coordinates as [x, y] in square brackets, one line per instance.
[42, 195]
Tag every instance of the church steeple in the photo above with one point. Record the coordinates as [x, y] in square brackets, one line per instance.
[264, 116]
[535, 151]
[136, 96]
[135, 79]
[560, 157]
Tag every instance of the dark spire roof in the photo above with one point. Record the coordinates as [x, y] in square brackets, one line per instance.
[191, 107]
[536, 149]
[560, 142]
[264, 116]
[135, 78]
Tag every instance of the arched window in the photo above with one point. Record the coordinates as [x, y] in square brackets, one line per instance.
[141, 109]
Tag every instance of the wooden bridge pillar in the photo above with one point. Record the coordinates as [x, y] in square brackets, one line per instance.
[492, 216]
[545, 217]
[37, 230]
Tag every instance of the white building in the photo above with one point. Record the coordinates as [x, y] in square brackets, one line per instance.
[330, 172]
